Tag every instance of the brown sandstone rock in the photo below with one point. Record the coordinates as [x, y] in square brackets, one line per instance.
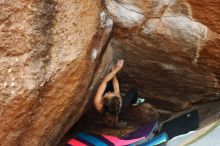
[206, 12]
[171, 58]
[50, 51]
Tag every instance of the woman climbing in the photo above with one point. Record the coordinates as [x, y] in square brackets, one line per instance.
[108, 100]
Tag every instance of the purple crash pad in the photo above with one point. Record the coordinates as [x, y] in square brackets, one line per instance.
[146, 131]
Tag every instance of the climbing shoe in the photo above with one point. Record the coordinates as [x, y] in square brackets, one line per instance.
[139, 101]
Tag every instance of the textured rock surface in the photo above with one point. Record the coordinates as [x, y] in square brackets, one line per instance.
[172, 56]
[50, 51]
[206, 12]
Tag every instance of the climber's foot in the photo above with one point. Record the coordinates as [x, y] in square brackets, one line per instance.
[139, 101]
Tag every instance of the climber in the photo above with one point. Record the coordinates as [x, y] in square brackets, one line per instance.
[108, 100]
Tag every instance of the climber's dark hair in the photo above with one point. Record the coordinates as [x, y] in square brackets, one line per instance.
[112, 105]
[111, 110]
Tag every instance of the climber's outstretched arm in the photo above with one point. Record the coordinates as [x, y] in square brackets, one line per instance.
[116, 86]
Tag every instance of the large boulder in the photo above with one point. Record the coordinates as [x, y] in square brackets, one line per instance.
[171, 49]
[50, 51]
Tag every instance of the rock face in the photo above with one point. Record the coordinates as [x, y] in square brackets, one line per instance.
[50, 51]
[171, 49]
[53, 54]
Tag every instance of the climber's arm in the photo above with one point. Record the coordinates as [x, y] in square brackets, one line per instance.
[98, 97]
[116, 85]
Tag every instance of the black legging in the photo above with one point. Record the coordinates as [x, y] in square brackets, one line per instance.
[130, 97]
